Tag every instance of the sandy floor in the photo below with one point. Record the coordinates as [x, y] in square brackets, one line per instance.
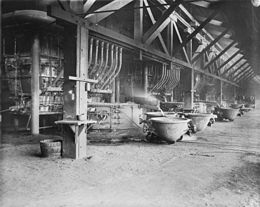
[221, 168]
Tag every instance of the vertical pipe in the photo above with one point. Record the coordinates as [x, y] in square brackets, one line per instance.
[145, 80]
[35, 85]
[118, 89]
[113, 95]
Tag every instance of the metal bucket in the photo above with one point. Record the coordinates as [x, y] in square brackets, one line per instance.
[150, 115]
[200, 120]
[228, 113]
[170, 129]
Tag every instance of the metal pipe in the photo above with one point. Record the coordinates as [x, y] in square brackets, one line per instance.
[120, 62]
[96, 59]
[111, 65]
[101, 60]
[162, 77]
[112, 71]
[90, 52]
[35, 86]
[106, 62]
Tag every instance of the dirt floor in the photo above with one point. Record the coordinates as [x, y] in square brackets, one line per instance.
[220, 168]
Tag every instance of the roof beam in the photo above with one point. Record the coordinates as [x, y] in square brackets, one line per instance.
[153, 21]
[243, 73]
[245, 70]
[228, 60]
[114, 5]
[160, 24]
[241, 77]
[198, 29]
[250, 75]
[238, 68]
[220, 54]
[210, 45]
[87, 5]
[241, 58]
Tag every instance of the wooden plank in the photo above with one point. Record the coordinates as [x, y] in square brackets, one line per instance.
[220, 54]
[210, 45]
[87, 80]
[160, 24]
[114, 5]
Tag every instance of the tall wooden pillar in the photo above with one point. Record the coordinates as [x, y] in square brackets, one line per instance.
[0, 71]
[75, 93]
[35, 85]
[221, 92]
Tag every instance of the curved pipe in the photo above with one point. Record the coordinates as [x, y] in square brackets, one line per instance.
[165, 78]
[96, 58]
[110, 73]
[101, 59]
[110, 68]
[161, 79]
[106, 62]
[118, 67]
[90, 52]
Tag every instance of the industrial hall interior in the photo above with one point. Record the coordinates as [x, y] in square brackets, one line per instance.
[137, 103]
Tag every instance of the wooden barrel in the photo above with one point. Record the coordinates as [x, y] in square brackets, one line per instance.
[50, 148]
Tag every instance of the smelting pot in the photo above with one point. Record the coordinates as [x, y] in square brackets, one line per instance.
[200, 120]
[159, 114]
[228, 113]
[170, 129]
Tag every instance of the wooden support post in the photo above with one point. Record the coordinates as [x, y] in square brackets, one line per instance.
[0, 72]
[146, 80]
[35, 85]
[138, 21]
[221, 93]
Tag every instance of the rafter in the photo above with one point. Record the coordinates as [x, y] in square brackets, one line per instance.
[115, 5]
[180, 39]
[246, 69]
[160, 24]
[241, 58]
[239, 68]
[154, 21]
[199, 28]
[250, 75]
[243, 73]
[88, 5]
[228, 60]
[220, 54]
[210, 45]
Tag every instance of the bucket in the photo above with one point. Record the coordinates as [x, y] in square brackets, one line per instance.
[50, 148]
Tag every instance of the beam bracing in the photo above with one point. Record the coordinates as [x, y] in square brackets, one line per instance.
[236, 62]
[160, 24]
[198, 29]
[125, 41]
[220, 54]
[154, 21]
[210, 45]
[180, 40]
[115, 5]
[238, 68]
[246, 69]
[228, 60]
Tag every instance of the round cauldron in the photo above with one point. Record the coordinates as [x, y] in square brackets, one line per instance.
[200, 120]
[170, 129]
[228, 113]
